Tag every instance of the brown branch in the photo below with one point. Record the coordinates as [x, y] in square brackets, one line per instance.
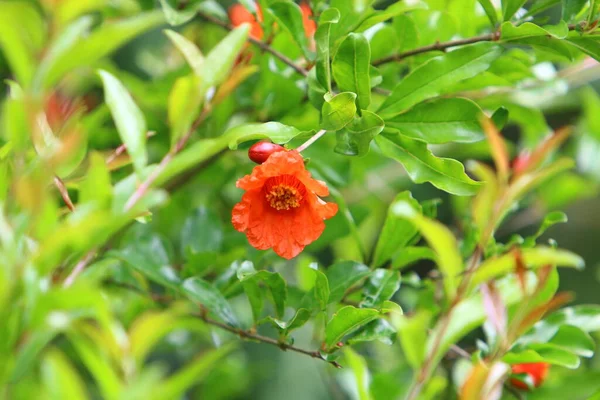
[244, 334]
[122, 148]
[440, 46]
[64, 193]
[258, 43]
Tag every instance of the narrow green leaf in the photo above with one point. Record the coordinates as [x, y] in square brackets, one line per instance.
[338, 111]
[220, 59]
[205, 294]
[355, 138]
[345, 321]
[351, 68]
[440, 121]
[183, 106]
[542, 352]
[128, 118]
[102, 41]
[441, 240]
[96, 186]
[380, 330]
[490, 11]
[361, 373]
[289, 16]
[438, 75]
[533, 258]
[410, 255]
[511, 32]
[590, 45]
[189, 50]
[575, 340]
[422, 166]
[571, 8]
[396, 233]
[413, 337]
[273, 280]
[177, 17]
[321, 289]
[510, 7]
[323, 68]
[60, 377]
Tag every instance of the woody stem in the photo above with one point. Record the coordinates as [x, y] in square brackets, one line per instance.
[310, 141]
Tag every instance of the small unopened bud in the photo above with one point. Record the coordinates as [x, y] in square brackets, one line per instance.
[260, 151]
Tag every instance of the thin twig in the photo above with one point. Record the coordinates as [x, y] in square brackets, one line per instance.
[79, 268]
[122, 148]
[310, 141]
[259, 43]
[145, 186]
[440, 46]
[60, 185]
[244, 334]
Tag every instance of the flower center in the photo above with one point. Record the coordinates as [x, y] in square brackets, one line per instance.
[284, 192]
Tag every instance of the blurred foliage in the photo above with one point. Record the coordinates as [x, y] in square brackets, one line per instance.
[124, 127]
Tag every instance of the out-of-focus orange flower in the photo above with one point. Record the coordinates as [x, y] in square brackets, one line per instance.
[238, 14]
[281, 208]
[536, 371]
[310, 26]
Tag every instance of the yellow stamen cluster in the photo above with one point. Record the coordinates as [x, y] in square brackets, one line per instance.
[284, 197]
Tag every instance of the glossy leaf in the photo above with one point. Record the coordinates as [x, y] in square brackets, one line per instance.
[410, 255]
[221, 58]
[184, 104]
[345, 321]
[323, 68]
[440, 121]
[510, 7]
[351, 67]
[128, 118]
[438, 75]
[381, 286]
[274, 281]
[338, 111]
[206, 295]
[342, 276]
[361, 373]
[289, 16]
[275, 131]
[396, 233]
[355, 138]
[411, 332]
[422, 166]
[188, 49]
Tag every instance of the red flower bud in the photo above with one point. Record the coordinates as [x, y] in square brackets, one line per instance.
[260, 151]
[536, 371]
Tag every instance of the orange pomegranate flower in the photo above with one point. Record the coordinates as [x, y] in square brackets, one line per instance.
[281, 208]
[238, 14]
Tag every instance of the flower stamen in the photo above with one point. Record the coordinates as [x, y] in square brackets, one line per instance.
[284, 192]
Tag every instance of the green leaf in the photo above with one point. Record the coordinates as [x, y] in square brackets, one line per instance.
[104, 40]
[289, 16]
[410, 255]
[590, 45]
[437, 76]
[275, 131]
[396, 233]
[542, 352]
[61, 378]
[273, 280]
[406, 31]
[490, 11]
[338, 111]
[342, 276]
[148, 255]
[533, 258]
[188, 49]
[128, 118]
[441, 240]
[185, 100]
[551, 219]
[379, 329]
[355, 138]
[422, 166]
[61, 45]
[177, 17]
[440, 121]
[358, 365]
[511, 32]
[394, 10]
[345, 321]
[202, 232]
[510, 7]
[321, 289]
[301, 317]
[381, 286]
[323, 68]
[412, 332]
[21, 36]
[351, 68]
[205, 294]
[574, 340]
[221, 58]
[571, 8]
[191, 374]
[96, 186]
